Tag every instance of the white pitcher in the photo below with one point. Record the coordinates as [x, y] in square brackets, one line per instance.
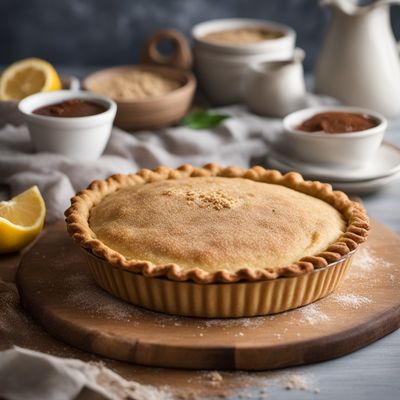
[276, 88]
[359, 62]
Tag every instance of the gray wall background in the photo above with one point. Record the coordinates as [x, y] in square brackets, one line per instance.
[110, 32]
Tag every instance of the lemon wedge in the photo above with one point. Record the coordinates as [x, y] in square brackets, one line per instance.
[26, 77]
[21, 220]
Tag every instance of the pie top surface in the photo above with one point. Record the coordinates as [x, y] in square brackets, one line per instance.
[215, 224]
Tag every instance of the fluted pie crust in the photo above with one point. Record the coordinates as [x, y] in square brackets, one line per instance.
[196, 247]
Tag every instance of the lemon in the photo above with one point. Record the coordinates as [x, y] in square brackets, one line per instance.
[26, 77]
[21, 220]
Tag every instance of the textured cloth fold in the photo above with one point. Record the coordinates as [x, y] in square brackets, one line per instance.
[39, 376]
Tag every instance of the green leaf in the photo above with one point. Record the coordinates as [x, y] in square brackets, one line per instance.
[203, 119]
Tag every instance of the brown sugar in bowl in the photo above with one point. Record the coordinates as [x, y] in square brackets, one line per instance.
[150, 112]
[158, 111]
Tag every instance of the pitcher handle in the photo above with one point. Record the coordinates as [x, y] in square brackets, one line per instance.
[181, 56]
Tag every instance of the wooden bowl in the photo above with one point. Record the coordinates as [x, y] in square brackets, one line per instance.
[159, 111]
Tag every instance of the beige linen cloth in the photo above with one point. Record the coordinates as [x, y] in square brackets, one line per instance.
[27, 374]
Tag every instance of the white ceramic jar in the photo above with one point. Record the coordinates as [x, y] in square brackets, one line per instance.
[221, 67]
[79, 138]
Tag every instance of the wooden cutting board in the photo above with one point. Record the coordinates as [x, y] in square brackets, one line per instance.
[57, 290]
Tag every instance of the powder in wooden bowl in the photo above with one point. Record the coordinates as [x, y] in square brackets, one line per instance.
[135, 85]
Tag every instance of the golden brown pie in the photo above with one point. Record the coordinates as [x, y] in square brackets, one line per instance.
[213, 225]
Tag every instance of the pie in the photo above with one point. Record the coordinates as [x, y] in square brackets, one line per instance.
[212, 225]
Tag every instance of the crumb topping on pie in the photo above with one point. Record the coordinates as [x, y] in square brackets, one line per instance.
[215, 224]
[215, 199]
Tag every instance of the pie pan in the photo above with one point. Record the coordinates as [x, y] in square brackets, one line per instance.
[166, 286]
[218, 300]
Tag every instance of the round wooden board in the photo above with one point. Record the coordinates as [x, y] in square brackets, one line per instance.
[56, 288]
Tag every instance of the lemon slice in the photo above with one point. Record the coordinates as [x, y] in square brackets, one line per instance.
[21, 220]
[26, 77]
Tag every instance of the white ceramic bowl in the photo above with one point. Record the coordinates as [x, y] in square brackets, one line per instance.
[221, 67]
[339, 150]
[80, 138]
